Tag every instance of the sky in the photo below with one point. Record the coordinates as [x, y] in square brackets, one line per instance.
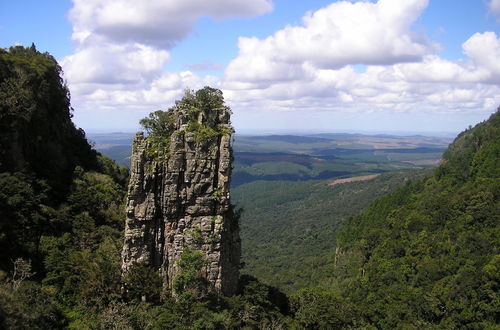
[386, 66]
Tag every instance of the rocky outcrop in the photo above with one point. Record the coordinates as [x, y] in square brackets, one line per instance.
[178, 198]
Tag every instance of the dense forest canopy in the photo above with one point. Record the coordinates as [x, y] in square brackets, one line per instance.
[61, 212]
[428, 254]
[295, 250]
[36, 131]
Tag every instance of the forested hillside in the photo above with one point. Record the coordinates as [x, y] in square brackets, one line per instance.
[288, 228]
[428, 254]
[61, 202]
[36, 131]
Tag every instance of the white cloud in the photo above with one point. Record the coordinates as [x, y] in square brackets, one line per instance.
[341, 34]
[121, 48]
[484, 51]
[494, 6]
[432, 85]
[154, 22]
[313, 67]
[114, 64]
[127, 104]
[162, 91]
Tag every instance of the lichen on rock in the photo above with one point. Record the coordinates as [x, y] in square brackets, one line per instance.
[178, 195]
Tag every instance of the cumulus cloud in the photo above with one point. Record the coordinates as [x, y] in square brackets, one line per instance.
[154, 22]
[341, 34]
[127, 41]
[114, 64]
[432, 84]
[349, 57]
[122, 46]
[124, 105]
[316, 65]
[484, 51]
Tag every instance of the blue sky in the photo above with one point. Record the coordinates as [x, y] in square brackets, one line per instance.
[365, 66]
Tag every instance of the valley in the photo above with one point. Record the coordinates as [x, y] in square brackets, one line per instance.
[297, 191]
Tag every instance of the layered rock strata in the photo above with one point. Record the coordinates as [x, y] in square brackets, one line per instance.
[178, 198]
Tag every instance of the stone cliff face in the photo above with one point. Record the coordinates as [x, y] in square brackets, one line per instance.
[178, 198]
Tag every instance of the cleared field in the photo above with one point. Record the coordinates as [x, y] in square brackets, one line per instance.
[354, 179]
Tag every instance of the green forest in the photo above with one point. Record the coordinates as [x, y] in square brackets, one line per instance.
[295, 250]
[410, 250]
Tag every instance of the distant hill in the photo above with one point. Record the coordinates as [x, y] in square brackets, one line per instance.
[294, 139]
[117, 146]
[303, 158]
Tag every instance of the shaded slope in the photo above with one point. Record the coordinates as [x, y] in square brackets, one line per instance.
[45, 161]
[36, 132]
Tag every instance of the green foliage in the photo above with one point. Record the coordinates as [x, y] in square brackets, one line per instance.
[428, 253]
[294, 250]
[107, 166]
[316, 308]
[23, 216]
[99, 196]
[196, 235]
[209, 98]
[159, 123]
[61, 203]
[202, 133]
[143, 283]
[256, 306]
[160, 126]
[90, 278]
[190, 282]
[201, 109]
[29, 306]
[36, 132]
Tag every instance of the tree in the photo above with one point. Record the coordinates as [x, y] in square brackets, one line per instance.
[143, 283]
[189, 280]
[158, 123]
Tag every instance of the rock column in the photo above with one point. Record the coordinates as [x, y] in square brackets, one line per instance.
[179, 198]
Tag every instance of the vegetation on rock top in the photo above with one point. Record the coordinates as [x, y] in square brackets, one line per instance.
[199, 108]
